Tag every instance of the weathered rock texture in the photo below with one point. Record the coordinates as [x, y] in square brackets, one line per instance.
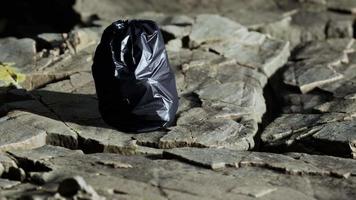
[319, 117]
[221, 89]
[242, 96]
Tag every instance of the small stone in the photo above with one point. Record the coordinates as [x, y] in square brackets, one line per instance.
[340, 29]
[76, 186]
[54, 39]
[84, 37]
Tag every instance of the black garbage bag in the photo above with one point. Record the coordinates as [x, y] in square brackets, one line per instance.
[134, 82]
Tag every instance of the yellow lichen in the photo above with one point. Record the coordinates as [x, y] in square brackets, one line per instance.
[10, 75]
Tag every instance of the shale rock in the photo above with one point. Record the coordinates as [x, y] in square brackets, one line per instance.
[231, 84]
[24, 66]
[237, 174]
[330, 133]
[230, 94]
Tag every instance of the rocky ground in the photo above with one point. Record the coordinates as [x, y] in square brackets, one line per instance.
[267, 105]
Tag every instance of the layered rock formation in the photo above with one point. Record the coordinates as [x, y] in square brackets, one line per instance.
[267, 103]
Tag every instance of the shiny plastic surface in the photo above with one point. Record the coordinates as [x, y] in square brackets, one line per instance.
[134, 82]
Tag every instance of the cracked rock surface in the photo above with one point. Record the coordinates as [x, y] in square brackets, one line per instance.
[267, 106]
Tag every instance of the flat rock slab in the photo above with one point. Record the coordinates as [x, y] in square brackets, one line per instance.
[294, 163]
[316, 62]
[338, 106]
[243, 175]
[250, 49]
[344, 88]
[18, 135]
[331, 133]
[23, 51]
[24, 67]
[35, 131]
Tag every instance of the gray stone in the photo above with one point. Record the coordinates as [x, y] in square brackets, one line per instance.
[54, 39]
[6, 184]
[208, 28]
[209, 133]
[222, 69]
[302, 103]
[266, 56]
[343, 5]
[341, 134]
[339, 106]
[239, 174]
[174, 45]
[6, 163]
[84, 37]
[105, 139]
[249, 49]
[181, 20]
[176, 31]
[316, 62]
[333, 51]
[46, 152]
[295, 164]
[38, 129]
[330, 133]
[25, 51]
[253, 13]
[308, 78]
[28, 69]
[17, 191]
[340, 29]
[309, 21]
[14, 136]
[236, 94]
[345, 86]
[311, 24]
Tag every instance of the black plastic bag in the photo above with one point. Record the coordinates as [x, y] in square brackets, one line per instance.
[134, 82]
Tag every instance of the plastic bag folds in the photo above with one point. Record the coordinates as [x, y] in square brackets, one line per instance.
[134, 82]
